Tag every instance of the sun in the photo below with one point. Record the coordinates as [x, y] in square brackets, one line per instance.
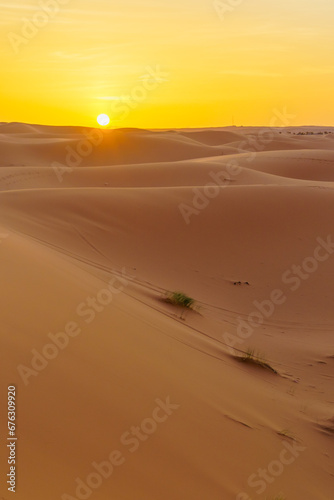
[103, 120]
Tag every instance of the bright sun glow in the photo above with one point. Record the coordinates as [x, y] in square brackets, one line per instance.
[229, 62]
[103, 120]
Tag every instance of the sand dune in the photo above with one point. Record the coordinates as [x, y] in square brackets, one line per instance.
[88, 252]
[90, 147]
[163, 174]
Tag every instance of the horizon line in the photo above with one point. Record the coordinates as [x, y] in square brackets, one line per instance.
[166, 128]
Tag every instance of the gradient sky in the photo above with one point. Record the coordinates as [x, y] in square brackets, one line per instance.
[93, 56]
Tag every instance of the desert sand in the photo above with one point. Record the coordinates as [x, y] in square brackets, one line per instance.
[121, 395]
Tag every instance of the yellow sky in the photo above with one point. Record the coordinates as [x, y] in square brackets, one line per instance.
[166, 63]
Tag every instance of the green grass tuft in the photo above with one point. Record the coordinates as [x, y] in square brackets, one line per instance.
[252, 357]
[180, 299]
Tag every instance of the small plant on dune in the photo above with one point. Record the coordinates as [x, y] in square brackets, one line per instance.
[254, 358]
[180, 299]
[288, 434]
[250, 355]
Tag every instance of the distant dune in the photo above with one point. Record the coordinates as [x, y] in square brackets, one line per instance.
[95, 227]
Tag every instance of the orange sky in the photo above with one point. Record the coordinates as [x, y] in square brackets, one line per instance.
[159, 63]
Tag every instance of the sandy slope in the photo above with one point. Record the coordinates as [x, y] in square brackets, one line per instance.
[142, 214]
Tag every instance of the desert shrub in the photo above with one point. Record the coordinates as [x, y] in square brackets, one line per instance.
[250, 356]
[180, 299]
